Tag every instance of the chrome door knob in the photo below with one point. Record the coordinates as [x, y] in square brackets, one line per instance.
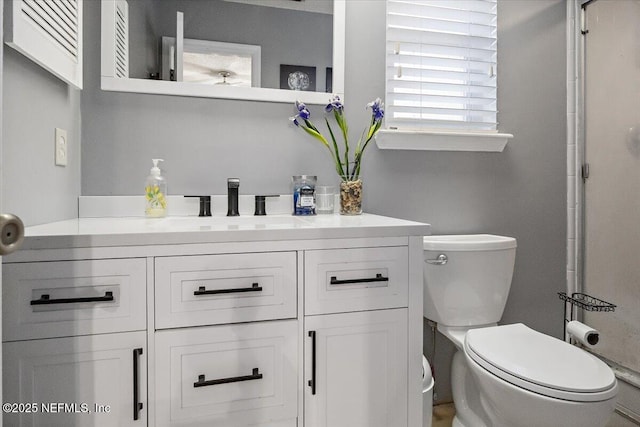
[11, 233]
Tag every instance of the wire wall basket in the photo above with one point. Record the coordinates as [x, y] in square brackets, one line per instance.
[583, 301]
[586, 302]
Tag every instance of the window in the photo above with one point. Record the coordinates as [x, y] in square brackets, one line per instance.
[441, 65]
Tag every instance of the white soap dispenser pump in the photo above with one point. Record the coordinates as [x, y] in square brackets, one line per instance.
[156, 192]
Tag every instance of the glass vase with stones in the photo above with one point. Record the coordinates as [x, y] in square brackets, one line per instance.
[350, 196]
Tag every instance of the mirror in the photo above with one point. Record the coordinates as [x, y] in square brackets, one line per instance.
[276, 50]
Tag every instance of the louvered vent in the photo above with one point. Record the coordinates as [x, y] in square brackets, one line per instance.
[49, 32]
[57, 19]
[121, 40]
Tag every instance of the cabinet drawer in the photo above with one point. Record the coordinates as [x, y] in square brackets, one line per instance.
[216, 289]
[57, 299]
[230, 375]
[342, 280]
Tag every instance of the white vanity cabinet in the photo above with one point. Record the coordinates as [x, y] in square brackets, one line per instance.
[67, 298]
[231, 375]
[224, 288]
[294, 323]
[94, 380]
[357, 369]
[356, 279]
[356, 360]
[243, 370]
[75, 343]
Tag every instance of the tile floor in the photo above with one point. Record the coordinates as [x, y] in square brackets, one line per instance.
[443, 415]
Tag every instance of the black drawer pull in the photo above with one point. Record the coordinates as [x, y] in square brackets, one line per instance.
[312, 381]
[137, 405]
[379, 278]
[202, 290]
[44, 299]
[256, 375]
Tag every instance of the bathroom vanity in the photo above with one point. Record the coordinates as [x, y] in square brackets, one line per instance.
[275, 321]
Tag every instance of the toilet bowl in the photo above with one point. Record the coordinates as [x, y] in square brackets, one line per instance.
[511, 375]
[525, 375]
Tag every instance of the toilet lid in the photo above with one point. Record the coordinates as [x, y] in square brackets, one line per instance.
[467, 242]
[540, 363]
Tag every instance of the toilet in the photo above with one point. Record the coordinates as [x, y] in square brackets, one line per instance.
[508, 375]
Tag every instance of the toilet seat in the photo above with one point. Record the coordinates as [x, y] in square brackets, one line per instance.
[540, 363]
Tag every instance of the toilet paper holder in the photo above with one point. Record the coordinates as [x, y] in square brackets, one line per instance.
[583, 301]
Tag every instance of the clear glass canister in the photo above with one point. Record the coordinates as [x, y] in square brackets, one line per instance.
[304, 194]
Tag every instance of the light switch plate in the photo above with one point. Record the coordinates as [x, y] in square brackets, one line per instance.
[62, 145]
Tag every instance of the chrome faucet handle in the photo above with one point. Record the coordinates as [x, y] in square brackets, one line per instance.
[442, 259]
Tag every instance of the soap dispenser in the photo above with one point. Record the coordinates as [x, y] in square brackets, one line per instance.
[156, 192]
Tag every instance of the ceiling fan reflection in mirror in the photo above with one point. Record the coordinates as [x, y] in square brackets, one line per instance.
[217, 69]
[224, 75]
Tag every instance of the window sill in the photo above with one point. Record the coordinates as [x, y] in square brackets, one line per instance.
[391, 139]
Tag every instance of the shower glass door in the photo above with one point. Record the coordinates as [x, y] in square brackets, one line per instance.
[612, 190]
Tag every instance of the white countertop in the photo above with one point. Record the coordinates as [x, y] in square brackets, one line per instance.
[132, 231]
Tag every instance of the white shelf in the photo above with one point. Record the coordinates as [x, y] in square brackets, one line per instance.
[391, 139]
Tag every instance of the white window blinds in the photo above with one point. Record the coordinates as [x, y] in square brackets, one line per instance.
[441, 65]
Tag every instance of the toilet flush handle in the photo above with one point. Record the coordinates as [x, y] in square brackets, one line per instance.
[441, 260]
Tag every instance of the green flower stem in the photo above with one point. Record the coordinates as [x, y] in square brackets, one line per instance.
[359, 149]
[338, 114]
[373, 129]
[335, 148]
[311, 130]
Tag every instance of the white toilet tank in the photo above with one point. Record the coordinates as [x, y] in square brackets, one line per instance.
[467, 278]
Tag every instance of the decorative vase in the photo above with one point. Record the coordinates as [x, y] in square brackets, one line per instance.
[351, 197]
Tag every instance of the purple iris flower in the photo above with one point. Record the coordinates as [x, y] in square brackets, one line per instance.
[334, 104]
[294, 119]
[303, 112]
[376, 108]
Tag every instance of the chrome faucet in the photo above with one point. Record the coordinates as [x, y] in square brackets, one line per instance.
[232, 196]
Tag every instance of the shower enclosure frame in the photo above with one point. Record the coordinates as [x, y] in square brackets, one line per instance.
[576, 173]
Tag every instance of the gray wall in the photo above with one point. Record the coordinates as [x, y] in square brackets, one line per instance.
[520, 192]
[144, 42]
[34, 104]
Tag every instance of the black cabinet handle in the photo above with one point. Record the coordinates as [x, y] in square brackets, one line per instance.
[379, 278]
[312, 381]
[202, 290]
[44, 299]
[137, 405]
[256, 375]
